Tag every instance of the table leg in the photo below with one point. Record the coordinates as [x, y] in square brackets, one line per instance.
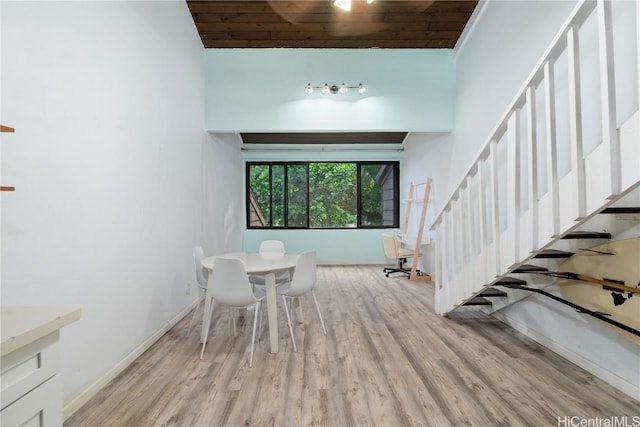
[270, 282]
[205, 316]
[298, 303]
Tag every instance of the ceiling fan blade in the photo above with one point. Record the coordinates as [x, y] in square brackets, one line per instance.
[364, 18]
[296, 12]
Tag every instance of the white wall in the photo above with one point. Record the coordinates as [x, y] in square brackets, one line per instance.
[498, 54]
[116, 178]
[427, 155]
[493, 59]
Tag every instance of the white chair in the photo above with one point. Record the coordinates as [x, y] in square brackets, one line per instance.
[201, 276]
[271, 247]
[303, 281]
[400, 255]
[229, 285]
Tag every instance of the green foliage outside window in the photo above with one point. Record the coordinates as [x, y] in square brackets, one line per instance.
[324, 194]
[371, 193]
[332, 191]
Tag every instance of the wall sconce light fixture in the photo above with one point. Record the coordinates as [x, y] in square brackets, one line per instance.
[333, 89]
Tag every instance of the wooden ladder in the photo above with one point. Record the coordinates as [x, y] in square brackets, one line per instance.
[423, 214]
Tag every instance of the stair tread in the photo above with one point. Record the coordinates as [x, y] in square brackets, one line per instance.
[553, 253]
[587, 235]
[491, 293]
[528, 268]
[478, 301]
[510, 281]
[621, 210]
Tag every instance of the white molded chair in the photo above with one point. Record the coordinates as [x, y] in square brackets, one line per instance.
[201, 276]
[271, 246]
[400, 255]
[303, 281]
[229, 285]
[275, 247]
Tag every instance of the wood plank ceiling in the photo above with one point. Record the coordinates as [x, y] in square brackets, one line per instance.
[418, 24]
[325, 138]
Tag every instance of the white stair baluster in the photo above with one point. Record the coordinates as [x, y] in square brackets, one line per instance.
[575, 124]
[532, 158]
[495, 204]
[607, 95]
[513, 187]
[482, 219]
[552, 155]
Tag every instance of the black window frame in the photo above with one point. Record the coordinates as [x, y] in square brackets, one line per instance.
[395, 164]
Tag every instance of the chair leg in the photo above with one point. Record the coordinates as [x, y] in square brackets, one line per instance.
[253, 335]
[298, 310]
[206, 320]
[233, 320]
[260, 323]
[400, 268]
[286, 310]
[194, 315]
[315, 300]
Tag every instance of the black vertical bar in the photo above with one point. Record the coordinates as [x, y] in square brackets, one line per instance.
[396, 194]
[308, 197]
[286, 195]
[270, 196]
[247, 191]
[358, 195]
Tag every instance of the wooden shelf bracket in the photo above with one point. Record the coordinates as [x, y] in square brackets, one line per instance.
[3, 129]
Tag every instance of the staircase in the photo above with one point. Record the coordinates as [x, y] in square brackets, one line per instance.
[499, 223]
[491, 293]
[516, 283]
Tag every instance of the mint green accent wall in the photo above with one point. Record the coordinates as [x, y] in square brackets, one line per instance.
[262, 90]
[331, 246]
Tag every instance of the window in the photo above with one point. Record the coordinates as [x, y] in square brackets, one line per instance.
[323, 195]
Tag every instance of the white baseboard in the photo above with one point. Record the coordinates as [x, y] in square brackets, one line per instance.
[606, 376]
[71, 407]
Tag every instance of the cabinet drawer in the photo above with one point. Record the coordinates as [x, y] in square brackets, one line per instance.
[41, 407]
[28, 367]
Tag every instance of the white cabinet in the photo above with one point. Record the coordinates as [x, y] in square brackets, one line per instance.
[31, 388]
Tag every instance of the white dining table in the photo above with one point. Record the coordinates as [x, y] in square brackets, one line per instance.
[266, 265]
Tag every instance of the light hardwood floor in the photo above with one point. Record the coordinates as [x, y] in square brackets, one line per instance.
[387, 360]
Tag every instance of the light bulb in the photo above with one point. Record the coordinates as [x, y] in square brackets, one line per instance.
[325, 88]
[308, 88]
[361, 88]
[343, 88]
[343, 4]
